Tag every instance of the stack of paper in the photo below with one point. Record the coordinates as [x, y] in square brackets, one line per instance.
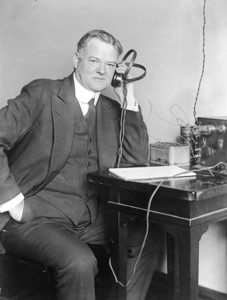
[151, 173]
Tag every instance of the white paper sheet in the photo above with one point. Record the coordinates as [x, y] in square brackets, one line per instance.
[151, 173]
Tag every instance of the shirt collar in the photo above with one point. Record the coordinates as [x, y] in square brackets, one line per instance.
[83, 95]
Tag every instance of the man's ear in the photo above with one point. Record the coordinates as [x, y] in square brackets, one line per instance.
[75, 59]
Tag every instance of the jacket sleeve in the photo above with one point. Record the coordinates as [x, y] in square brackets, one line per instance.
[135, 142]
[16, 119]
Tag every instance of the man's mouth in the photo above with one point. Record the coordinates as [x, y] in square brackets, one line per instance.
[99, 78]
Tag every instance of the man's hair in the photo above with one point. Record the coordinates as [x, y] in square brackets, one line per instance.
[101, 35]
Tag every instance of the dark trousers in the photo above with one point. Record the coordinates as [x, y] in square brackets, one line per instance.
[63, 247]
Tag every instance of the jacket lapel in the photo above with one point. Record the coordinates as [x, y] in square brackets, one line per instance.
[63, 114]
[107, 133]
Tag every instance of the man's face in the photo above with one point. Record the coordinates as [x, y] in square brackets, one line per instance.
[95, 64]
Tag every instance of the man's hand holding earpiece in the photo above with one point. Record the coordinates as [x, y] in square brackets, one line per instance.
[132, 103]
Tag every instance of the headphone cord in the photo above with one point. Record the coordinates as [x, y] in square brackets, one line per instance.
[122, 126]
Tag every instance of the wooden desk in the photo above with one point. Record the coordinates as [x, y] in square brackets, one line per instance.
[185, 207]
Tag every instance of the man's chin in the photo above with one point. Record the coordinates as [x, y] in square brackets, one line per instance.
[100, 87]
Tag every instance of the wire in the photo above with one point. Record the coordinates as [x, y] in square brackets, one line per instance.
[189, 144]
[143, 243]
[178, 118]
[122, 124]
[156, 113]
[203, 64]
[211, 167]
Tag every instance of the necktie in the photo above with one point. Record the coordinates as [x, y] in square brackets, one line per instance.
[90, 115]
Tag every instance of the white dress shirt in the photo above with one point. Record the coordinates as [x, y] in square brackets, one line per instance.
[84, 96]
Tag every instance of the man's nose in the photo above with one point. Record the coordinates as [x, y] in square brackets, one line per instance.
[102, 68]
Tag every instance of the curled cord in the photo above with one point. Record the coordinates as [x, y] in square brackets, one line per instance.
[178, 118]
[155, 111]
[180, 121]
[172, 113]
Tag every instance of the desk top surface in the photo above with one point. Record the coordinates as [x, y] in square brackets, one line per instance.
[201, 187]
[187, 198]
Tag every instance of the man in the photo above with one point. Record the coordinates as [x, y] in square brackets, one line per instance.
[50, 140]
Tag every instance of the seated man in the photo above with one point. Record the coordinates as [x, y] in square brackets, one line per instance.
[52, 135]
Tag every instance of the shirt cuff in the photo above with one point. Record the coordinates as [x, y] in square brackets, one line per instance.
[132, 104]
[11, 203]
[133, 107]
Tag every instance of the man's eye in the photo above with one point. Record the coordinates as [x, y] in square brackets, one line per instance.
[93, 61]
[111, 65]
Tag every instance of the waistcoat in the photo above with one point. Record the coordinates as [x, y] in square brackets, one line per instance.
[68, 195]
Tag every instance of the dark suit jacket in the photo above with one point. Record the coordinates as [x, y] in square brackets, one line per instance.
[36, 133]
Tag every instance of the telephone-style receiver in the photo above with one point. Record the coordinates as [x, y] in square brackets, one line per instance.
[118, 78]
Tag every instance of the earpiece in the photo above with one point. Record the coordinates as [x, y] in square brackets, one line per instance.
[118, 78]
